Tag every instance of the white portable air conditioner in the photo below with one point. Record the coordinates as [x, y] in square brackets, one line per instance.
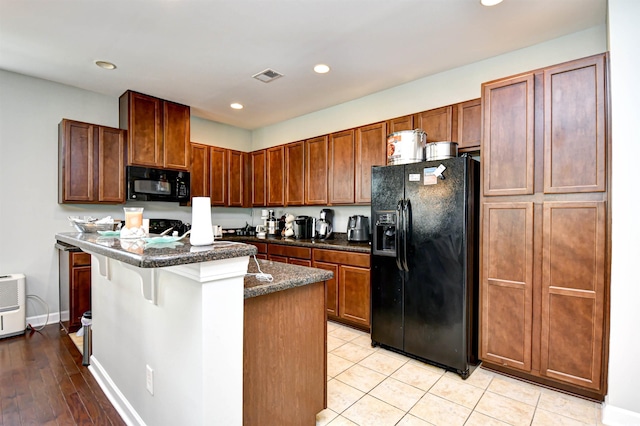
[12, 305]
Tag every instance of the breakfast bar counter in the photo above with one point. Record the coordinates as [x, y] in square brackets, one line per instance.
[190, 335]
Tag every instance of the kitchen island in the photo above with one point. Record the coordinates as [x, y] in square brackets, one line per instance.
[178, 329]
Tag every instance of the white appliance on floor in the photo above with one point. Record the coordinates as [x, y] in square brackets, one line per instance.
[12, 305]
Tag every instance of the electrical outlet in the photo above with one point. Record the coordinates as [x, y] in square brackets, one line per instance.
[150, 379]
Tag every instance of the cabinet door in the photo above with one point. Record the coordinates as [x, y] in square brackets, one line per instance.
[371, 150]
[573, 286]
[76, 158]
[218, 176]
[199, 170]
[176, 135]
[276, 258]
[315, 171]
[341, 167]
[144, 131]
[469, 124]
[235, 178]
[294, 166]
[401, 123]
[80, 297]
[331, 287]
[111, 151]
[574, 127]
[300, 262]
[506, 288]
[275, 176]
[355, 295]
[507, 154]
[259, 172]
[438, 123]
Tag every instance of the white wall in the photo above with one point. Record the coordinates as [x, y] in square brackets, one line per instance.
[459, 84]
[30, 110]
[623, 401]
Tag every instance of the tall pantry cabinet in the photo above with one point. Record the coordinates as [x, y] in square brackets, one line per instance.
[545, 221]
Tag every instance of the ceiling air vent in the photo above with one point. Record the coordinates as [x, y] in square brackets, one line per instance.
[267, 75]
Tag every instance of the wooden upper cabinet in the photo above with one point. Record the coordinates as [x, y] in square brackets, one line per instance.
[158, 131]
[294, 174]
[469, 124]
[573, 292]
[111, 173]
[90, 163]
[199, 170]
[218, 176]
[237, 178]
[400, 123]
[506, 295]
[315, 171]
[176, 131]
[574, 126]
[275, 176]
[76, 154]
[438, 123]
[141, 116]
[371, 150]
[508, 140]
[341, 167]
[259, 177]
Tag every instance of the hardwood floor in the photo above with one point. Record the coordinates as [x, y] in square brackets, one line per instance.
[43, 382]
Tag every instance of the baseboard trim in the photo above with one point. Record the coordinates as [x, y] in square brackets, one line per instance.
[120, 403]
[616, 416]
[40, 320]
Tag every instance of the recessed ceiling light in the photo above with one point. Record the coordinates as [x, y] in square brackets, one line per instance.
[106, 65]
[490, 2]
[321, 68]
[236, 105]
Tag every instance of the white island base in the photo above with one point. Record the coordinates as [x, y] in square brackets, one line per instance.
[168, 342]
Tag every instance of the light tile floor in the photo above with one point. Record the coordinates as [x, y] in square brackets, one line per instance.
[373, 386]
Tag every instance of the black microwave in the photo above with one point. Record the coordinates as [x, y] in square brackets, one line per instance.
[146, 184]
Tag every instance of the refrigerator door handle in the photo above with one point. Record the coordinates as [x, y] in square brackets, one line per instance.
[398, 234]
[406, 208]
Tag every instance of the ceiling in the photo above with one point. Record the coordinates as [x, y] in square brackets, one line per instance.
[203, 53]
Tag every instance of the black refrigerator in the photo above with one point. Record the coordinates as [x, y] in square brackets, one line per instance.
[424, 261]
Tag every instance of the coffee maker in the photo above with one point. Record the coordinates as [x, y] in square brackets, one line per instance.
[272, 224]
[324, 225]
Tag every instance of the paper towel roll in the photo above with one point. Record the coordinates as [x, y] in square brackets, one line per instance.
[201, 228]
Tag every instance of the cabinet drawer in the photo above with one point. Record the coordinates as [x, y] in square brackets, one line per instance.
[290, 251]
[262, 247]
[80, 259]
[342, 257]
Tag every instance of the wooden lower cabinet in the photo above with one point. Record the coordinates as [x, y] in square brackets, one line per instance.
[349, 292]
[262, 249]
[75, 287]
[285, 357]
[573, 283]
[543, 292]
[289, 254]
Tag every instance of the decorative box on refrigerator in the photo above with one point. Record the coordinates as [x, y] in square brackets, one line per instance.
[12, 305]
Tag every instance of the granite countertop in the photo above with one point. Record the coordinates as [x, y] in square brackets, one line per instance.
[137, 253]
[285, 276]
[338, 243]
